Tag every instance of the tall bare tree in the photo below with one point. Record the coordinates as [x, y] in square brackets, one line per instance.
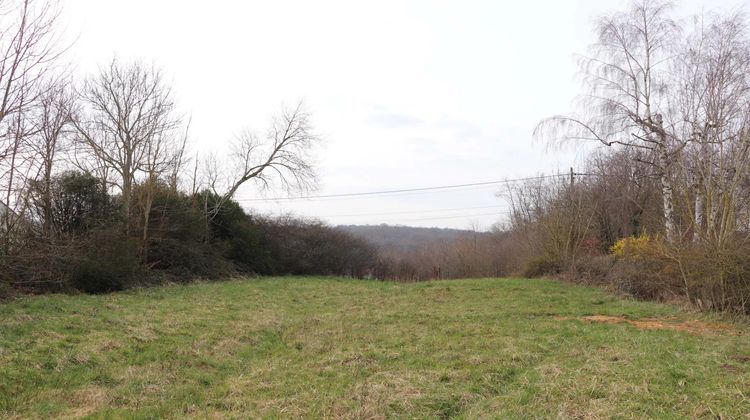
[127, 114]
[51, 137]
[713, 100]
[28, 50]
[15, 178]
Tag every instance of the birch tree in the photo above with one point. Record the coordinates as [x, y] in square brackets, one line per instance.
[627, 99]
[713, 100]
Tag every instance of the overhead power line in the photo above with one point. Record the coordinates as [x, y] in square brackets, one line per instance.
[370, 196]
[411, 212]
[405, 190]
[458, 216]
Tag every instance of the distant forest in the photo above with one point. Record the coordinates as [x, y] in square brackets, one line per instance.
[407, 238]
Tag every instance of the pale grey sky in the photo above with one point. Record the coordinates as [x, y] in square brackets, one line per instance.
[405, 93]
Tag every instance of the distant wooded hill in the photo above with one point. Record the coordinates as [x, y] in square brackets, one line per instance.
[406, 238]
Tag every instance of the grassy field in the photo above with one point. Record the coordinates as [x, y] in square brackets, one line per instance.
[318, 347]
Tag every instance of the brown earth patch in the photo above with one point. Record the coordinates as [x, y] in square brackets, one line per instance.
[732, 368]
[691, 326]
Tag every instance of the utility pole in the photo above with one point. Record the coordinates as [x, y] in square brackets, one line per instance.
[572, 177]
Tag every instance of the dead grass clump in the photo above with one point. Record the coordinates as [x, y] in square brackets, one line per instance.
[379, 392]
[86, 401]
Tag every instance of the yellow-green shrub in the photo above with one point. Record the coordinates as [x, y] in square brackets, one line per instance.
[638, 247]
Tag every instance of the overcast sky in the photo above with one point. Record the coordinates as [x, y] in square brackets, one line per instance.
[406, 94]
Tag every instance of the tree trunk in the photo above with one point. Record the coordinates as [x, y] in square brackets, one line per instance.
[146, 218]
[667, 192]
[699, 213]
[125, 206]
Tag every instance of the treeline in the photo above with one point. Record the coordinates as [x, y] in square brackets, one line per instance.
[407, 238]
[664, 210]
[97, 192]
[407, 253]
[86, 247]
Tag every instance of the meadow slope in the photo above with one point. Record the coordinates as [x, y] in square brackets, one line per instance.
[325, 347]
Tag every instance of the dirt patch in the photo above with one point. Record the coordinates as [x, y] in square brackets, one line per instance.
[732, 368]
[692, 326]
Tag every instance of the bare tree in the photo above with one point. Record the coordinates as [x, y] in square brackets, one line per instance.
[281, 158]
[15, 178]
[51, 137]
[554, 218]
[128, 113]
[28, 49]
[713, 100]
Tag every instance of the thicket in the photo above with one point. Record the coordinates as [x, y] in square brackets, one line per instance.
[476, 254]
[96, 192]
[664, 210]
[607, 229]
[86, 248]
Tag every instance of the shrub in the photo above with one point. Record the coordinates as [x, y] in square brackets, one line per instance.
[593, 269]
[177, 236]
[640, 278]
[540, 266]
[186, 260]
[6, 291]
[642, 267]
[639, 247]
[108, 263]
[716, 277]
[73, 203]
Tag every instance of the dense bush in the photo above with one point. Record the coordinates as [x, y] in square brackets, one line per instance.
[308, 247]
[540, 266]
[239, 237]
[109, 263]
[177, 241]
[714, 277]
[6, 292]
[72, 203]
[591, 269]
[72, 238]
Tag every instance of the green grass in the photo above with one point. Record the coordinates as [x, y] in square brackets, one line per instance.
[321, 347]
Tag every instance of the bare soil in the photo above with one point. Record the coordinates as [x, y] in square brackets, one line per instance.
[692, 326]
